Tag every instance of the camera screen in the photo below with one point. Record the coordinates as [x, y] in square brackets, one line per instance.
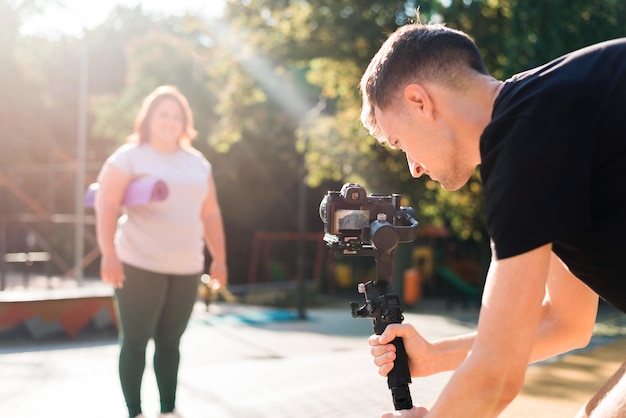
[351, 219]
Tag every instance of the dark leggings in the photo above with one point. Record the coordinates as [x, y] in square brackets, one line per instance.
[158, 306]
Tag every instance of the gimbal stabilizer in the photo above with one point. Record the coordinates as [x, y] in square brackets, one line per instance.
[359, 224]
[383, 306]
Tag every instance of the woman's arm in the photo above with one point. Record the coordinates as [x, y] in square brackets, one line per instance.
[113, 183]
[214, 235]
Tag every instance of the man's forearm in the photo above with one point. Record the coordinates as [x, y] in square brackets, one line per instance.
[447, 354]
[477, 389]
[553, 337]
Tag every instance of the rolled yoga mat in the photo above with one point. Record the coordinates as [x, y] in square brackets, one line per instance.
[139, 192]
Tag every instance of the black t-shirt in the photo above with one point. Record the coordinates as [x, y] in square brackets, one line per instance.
[554, 165]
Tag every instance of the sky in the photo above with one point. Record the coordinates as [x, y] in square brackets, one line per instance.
[71, 17]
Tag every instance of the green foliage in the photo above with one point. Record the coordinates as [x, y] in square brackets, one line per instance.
[274, 89]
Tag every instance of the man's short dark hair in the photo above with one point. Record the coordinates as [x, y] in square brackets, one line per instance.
[413, 53]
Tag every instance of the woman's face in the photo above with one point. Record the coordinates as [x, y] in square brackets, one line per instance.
[167, 123]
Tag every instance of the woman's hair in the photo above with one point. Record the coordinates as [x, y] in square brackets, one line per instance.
[415, 53]
[141, 133]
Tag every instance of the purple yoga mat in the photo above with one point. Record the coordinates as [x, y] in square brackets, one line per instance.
[139, 192]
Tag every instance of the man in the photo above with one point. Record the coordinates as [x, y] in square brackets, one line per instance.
[551, 145]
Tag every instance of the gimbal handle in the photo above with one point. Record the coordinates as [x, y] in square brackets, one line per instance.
[383, 306]
[399, 378]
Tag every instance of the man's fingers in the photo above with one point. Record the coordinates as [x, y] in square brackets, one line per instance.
[383, 351]
[385, 369]
[384, 358]
[395, 330]
[387, 351]
[376, 341]
[415, 412]
[391, 332]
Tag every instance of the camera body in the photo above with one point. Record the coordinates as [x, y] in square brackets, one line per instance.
[351, 217]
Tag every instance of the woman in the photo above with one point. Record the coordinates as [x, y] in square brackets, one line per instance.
[153, 254]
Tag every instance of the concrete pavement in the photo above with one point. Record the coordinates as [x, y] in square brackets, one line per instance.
[238, 361]
[560, 388]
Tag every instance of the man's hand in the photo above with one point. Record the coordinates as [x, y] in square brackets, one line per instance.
[415, 412]
[384, 352]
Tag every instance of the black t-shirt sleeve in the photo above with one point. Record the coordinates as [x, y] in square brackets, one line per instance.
[536, 184]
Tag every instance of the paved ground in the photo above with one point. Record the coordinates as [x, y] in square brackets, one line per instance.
[245, 362]
[559, 389]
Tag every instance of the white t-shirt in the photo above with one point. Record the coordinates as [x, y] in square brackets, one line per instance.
[164, 236]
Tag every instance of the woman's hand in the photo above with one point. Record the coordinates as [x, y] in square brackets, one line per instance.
[112, 271]
[218, 272]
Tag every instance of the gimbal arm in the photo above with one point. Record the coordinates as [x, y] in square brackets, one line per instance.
[383, 306]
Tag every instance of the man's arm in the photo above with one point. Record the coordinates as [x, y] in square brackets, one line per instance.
[514, 299]
[569, 312]
[493, 372]
[568, 315]
[515, 326]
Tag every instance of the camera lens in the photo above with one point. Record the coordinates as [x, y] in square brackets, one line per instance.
[323, 208]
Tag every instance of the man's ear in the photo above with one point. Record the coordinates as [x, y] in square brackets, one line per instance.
[418, 99]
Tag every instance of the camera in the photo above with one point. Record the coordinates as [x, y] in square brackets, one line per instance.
[356, 223]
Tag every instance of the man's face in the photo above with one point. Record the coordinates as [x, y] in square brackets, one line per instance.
[429, 144]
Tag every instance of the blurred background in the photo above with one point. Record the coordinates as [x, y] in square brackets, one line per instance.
[273, 87]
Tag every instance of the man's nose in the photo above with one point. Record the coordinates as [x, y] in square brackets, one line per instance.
[415, 168]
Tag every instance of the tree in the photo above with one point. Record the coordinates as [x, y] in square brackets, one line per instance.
[274, 89]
